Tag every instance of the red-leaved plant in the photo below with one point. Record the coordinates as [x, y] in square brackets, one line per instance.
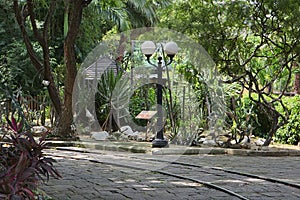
[23, 164]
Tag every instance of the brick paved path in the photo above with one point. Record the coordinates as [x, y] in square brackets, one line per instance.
[88, 180]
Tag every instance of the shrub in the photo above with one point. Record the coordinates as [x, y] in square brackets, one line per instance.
[287, 134]
[251, 117]
[290, 132]
[23, 164]
[261, 124]
[142, 98]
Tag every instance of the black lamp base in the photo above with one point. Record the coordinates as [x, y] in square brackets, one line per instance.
[159, 143]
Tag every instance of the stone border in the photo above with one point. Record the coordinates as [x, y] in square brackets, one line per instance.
[139, 147]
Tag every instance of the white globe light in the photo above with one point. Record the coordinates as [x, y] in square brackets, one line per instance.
[171, 48]
[148, 48]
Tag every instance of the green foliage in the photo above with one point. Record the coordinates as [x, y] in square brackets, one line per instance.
[252, 117]
[23, 163]
[131, 14]
[10, 106]
[144, 98]
[93, 27]
[290, 132]
[112, 91]
[15, 68]
[194, 77]
[101, 17]
[234, 31]
[254, 44]
[17, 71]
[250, 114]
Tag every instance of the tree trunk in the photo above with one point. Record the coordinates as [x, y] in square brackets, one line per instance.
[271, 133]
[297, 83]
[64, 126]
[42, 38]
[74, 9]
[273, 117]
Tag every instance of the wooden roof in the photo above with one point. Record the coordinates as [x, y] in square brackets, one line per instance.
[96, 69]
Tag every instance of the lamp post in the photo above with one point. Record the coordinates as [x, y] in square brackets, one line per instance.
[148, 49]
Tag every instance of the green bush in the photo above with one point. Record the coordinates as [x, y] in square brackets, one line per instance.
[143, 98]
[287, 134]
[260, 123]
[290, 132]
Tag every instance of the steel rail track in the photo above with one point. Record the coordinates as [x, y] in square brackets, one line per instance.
[204, 183]
[249, 175]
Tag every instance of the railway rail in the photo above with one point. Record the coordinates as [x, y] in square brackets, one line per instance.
[232, 182]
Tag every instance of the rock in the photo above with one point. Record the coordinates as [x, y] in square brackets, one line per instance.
[201, 140]
[246, 141]
[126, 130]
[152, 137]
[38, 130]
[134, 136]
[210, 142]
[260, 142]
[140, 139]
[102, 135]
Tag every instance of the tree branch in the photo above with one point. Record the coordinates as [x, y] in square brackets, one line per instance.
[36, 33]
[32, 54]
[48, 17]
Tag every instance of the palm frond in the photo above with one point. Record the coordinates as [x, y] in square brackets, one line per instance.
[115, 15]
[141, 13]
[131, 13]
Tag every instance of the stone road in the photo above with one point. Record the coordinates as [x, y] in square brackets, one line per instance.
[83, 179]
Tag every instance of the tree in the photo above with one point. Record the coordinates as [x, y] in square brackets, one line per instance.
[15, 68]
[36, 17]
[25, 14]
[253, 44]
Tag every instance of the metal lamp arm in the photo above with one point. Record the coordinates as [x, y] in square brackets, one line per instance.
[170, 61]
[149, 61]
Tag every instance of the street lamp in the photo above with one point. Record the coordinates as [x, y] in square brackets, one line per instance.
[148, 49]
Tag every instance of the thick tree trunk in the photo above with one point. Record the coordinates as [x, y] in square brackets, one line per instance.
[64, 126]
[63, 109]
[273, 117]
[271, 133]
